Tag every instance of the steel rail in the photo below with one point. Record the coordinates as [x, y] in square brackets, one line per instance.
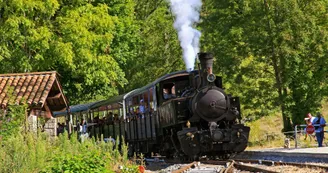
[185, 168]
[236, 165]
[244, 165]
[250, 168]
[274, 163]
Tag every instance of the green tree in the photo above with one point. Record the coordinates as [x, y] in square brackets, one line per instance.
[289, 36]
[89, 31]
[88, 43]
[25, 34]
[227, 32]
[159, 51]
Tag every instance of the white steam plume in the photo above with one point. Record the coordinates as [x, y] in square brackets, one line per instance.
[186, 14]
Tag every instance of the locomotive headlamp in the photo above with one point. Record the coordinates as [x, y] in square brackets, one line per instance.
[188, 124]
[211, 77]
[190, 135]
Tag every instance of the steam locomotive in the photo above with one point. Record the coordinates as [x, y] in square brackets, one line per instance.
[182, 114]
[211, 118]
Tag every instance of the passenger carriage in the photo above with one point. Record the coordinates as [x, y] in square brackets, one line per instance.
[140, 130]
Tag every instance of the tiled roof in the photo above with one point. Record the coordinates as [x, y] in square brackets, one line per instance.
[30, 88]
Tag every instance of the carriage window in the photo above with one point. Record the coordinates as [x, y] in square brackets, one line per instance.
[169, 91]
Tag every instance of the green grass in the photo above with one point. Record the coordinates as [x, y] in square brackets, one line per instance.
[266, 132]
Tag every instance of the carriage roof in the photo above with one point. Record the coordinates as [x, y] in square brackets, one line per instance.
[76, 108]
[120, 98]
[165, 77]
[137, 91]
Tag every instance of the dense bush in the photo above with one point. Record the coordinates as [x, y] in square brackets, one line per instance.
[39, 153]
[11, 120]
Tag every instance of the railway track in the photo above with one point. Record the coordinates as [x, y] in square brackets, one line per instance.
[244, 165]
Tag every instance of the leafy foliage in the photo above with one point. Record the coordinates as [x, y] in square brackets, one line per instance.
[87, 43]
[83, 162]
[283, 37]
[38, 153]
[159, 51]
[12, 118]
[12, 121]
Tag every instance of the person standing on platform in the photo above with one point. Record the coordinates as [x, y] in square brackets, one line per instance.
[309, 121]
[319, 123]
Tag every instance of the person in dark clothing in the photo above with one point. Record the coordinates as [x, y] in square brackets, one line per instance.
[319, 123]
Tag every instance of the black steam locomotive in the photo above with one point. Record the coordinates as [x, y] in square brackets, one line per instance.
[183, 114]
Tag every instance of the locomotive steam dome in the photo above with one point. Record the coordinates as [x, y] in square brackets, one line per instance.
[210, 103]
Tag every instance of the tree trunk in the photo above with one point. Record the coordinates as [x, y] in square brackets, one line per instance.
[282, 95]
[285, 118]
[277, 66]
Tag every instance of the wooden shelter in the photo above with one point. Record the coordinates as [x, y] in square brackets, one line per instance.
[41, 91]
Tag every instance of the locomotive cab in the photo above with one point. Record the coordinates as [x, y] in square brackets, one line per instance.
[173, 107]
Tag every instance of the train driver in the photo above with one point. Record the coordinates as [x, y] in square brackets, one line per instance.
[169, 91]
[166, 94]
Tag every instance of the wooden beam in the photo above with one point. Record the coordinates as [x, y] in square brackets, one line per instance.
[61, 91]
[49, 112]
[57, 108]
[57, 96]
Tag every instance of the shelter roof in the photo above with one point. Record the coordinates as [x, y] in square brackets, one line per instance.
[77, 108]
[35, 89]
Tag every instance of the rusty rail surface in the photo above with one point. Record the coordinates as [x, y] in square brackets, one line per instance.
[244, 165]
[233, 164]
[251, 168]
[185, 168]
[273, 163]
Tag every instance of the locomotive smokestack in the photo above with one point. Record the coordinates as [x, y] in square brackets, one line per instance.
[206, 62]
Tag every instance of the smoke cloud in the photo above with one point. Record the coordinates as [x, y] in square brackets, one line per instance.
[186, 15]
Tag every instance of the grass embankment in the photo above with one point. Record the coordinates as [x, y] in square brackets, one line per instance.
[266, 132]
[39, 153]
